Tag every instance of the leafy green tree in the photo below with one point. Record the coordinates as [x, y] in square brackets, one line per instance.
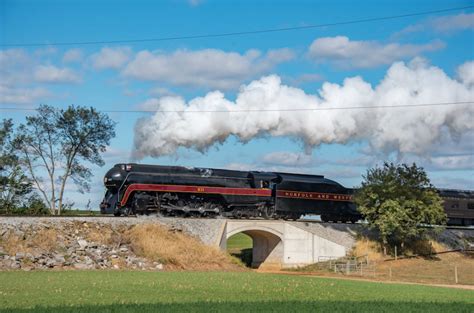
[55, 144]
[14, 185]
[396, 199]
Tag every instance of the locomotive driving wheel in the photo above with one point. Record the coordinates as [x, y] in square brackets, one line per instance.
[268, 211]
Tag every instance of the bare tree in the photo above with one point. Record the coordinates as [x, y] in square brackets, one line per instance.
[54, 143]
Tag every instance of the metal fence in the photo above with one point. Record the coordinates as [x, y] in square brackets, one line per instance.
[436, 272]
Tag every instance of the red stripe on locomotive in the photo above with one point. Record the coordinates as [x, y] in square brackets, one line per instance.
[195, 189]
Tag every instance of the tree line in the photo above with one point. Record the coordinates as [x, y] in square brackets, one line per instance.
[40, 156]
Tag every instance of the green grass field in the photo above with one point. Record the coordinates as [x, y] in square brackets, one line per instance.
[115, 291]
[240, 246]
[239, 241]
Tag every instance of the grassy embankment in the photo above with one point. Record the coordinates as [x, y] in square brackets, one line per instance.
[428, 269]
[115, 291]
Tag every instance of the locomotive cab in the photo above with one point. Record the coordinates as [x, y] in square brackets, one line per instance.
[263, 179]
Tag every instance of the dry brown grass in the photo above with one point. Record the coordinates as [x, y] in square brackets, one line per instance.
[369, 248]
[430, 267]
[45, 239]
[176, 250]
[439, 270]
[104, 236]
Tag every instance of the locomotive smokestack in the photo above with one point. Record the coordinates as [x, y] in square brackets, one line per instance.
[336, 114]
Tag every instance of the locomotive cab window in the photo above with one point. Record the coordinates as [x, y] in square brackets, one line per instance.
[470, 205]
[455, 205]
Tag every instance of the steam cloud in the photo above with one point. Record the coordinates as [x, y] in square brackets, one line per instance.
[403, 130]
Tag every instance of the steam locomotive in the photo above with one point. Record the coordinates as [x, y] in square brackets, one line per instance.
[208, 192]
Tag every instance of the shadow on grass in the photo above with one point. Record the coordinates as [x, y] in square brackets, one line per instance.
[245, 255]
[264, 306]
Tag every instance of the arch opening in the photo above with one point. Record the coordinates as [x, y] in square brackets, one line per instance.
[257, 248]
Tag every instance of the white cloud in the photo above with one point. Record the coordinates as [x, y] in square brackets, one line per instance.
[412, 130]
[152, 104]
[14, 65]
[453, 23]
[204, 68]
[73, 55]
[455, 162]
[287, 158]
[365, 54]
[13, 95]
[111, 58]
[161, 92]
[443, 24]
[16, 78]
[466, 73]
[46, 51]
[53, 74]
[116, 155]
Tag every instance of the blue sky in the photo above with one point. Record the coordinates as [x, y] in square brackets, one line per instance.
[412, 60]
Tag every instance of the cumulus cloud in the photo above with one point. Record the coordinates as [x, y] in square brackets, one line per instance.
[402, 130]
[13, 66]
[14, 95]
[111, 58]
[453, 162]
[454, 22]
[466, 73]
[53, 74]
[365, 54]
[160, 92]
[73, 55]
[13, 73]
[442, 24]
[287, 158]
[204, 68]
[152, 104]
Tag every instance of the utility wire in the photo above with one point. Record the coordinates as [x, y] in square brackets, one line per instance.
[269, 110]
[240, 33]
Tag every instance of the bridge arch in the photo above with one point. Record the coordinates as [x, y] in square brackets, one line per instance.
[267, 249]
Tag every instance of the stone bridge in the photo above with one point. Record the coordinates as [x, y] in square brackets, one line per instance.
[276, 244]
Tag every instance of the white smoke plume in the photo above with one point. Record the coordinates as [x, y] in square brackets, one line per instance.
[402, 130]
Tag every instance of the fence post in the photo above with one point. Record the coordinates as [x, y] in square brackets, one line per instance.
[347, 268]
[456, 273]
[395, 252]
[335, 265]
[390, 272]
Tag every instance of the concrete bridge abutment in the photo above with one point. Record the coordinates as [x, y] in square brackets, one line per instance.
[282, 244]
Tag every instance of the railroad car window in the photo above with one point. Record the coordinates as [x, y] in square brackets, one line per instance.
[470, 205]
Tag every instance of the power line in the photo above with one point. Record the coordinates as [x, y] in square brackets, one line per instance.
[271, 110]
[240, 33]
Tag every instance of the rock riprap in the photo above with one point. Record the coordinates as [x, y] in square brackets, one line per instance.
[68, 244]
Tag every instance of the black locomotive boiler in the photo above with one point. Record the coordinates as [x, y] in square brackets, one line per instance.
[208, 192]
